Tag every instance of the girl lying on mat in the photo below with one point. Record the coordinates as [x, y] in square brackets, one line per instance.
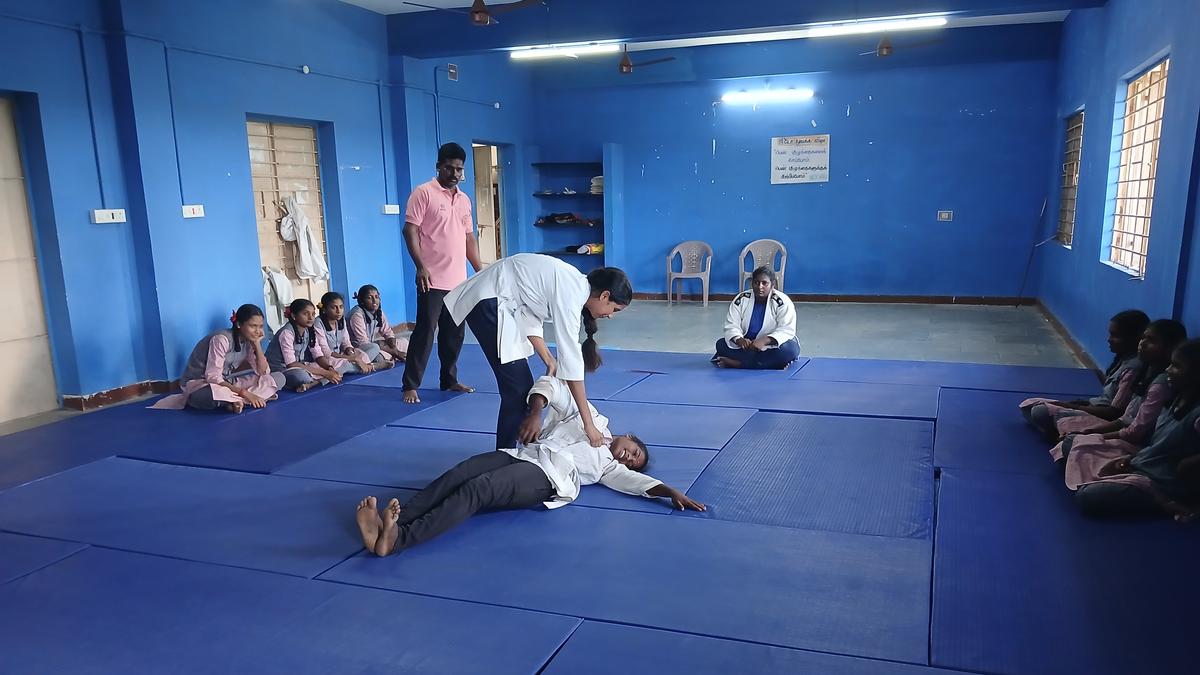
[548, 466]
[760, 328]
[1124, 333]
[227, 369]
[1164, 476]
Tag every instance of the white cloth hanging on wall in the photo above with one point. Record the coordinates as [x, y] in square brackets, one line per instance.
[310, 264]
[277, 295]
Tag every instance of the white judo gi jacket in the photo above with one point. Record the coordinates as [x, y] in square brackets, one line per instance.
[530, 289]
[564, 453]
[779, 321]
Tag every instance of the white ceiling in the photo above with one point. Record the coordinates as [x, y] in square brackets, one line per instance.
[398, 7]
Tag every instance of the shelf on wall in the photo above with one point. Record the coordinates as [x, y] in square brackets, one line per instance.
[596, 163]
[560, 194]
[563, 254]
[570, 224]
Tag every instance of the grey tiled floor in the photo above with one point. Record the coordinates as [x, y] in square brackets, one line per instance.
[998, 335]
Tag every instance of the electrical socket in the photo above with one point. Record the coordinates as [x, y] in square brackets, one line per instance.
[945, 216]
[391, 209]
[100, 216]
[193, 210]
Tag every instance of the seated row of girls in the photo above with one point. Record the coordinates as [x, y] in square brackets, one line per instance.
[318, 345]
[228, 368]
[1124, 334]
[1146, 461]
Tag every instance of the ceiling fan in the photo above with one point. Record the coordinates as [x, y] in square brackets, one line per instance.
[885, 48]
[627, 64]
[481, 14]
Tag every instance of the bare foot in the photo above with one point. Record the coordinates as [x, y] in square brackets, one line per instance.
[410, 396]
[386, 365]
[726, 362]
[305, 387]
[234, 407]
[460, 387]
[386, 543]
[369, 522]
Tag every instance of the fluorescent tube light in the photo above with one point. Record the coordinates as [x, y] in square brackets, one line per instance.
[767, 96]
[874, 26]
[569, 51]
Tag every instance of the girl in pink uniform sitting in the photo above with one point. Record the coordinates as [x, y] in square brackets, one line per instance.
[332, 325]
[371, 332]
[299, 351]
[227, 369]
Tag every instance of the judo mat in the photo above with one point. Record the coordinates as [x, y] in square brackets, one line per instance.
[985, 430]
[824, 591]
[473, 370]
[817, 554]
[677, 426]
[713, 388]
[960, 375]
[20, 555]
[118, 612]
[1024, 584]
[613, 649]
[274, 523]
[857, 475]
[282, 434]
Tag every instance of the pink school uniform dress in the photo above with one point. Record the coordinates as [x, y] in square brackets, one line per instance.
[214, 361]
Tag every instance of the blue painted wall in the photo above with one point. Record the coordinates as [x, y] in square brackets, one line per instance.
[172, 85]
[1101, 48]
[144, 108]
[907, 139]
[90, 287]
[465, 113]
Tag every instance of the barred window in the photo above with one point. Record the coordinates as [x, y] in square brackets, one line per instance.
[1141, 130]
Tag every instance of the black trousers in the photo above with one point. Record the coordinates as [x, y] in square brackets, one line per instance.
[431, 313]
[513, 379]
[491, 481]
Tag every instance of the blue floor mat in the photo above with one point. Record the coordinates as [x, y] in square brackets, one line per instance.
[961, 375]
[984, 430]
[273, 523]
[1024, 584]
[403, 457]
[717, 388]
[473, 370]
[282, 434]
[116, 612]
[612, 649]
[843, 474]
[682, 363]
[825, 591]
[46, 450]
[20, 555]
[676, 426]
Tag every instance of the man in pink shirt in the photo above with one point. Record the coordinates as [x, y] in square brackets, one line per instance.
[441, 240]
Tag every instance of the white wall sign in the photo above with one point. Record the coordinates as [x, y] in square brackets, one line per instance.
[800, 159]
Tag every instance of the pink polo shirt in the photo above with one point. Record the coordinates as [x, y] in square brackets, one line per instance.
[443, 219]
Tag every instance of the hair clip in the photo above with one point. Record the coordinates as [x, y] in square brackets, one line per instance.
[287, 313]
[233, 317]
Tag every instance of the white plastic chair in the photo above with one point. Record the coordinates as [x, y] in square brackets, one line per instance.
[763, 252]
[696, 259]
